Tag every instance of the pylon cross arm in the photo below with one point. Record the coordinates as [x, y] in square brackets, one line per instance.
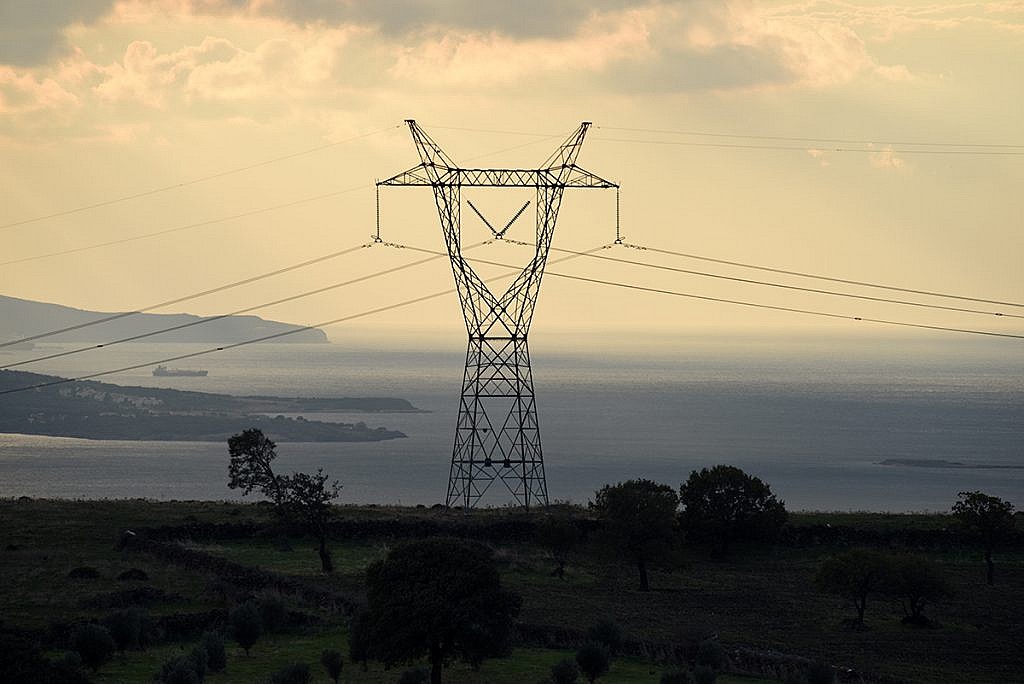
[565, 177]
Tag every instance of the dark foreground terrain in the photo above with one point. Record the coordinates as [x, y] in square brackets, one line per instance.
[198, 559]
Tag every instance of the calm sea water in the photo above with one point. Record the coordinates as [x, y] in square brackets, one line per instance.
[813, 422]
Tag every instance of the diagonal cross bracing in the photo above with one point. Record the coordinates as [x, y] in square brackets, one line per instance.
[497, 435]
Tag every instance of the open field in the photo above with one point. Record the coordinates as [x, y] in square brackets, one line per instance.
[761, 598]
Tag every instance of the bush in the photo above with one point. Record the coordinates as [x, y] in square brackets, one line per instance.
[246, 625]
[332, 662]
[178, 670]
[296, 673]
[94, 644]
[711, 654]
[200, 661]
[565, 672]
[607, 633]
[704, 675]
[216, 656]
[593, 660]
[273, 612]
[416, 676]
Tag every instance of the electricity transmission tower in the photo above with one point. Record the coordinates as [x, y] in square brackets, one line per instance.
[497, 436]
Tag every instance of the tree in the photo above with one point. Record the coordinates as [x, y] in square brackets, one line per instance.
[302, 498]
[724, 504]
[594, 660]
[639, 521]
[855, 575]
[333, 663]
[273, 612]
[94, 644]
[179, 669]
[216, 656]
[246, 625]
[565, 671]
[989, 517]
[439, 598]
[916, 582]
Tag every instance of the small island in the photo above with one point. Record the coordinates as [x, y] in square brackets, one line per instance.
[97, 410]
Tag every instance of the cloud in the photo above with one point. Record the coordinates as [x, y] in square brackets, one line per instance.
[32, 31]
[24, 93]
[886, 158]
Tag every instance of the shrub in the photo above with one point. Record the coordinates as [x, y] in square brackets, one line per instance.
[565, 672]
[94, 644]
[607, 633]
[216, 655]
[593, 660]
[178, 670]
[200, 661]
[704, 675]
[332, 662]
[296, 673]
[415, 676]
[246, 625]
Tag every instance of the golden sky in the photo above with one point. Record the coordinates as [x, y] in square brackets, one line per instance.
[837, 138]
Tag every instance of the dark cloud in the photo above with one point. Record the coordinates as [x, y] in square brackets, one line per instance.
[31, 31]
[521, 18]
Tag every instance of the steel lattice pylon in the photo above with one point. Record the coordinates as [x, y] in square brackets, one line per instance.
[497, 436]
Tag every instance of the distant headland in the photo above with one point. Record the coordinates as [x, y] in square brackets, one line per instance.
[97, 410]
[20, 318]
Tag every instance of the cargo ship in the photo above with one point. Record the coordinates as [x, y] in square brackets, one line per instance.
[165, 372]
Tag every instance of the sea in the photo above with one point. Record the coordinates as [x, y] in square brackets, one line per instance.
[815, 420]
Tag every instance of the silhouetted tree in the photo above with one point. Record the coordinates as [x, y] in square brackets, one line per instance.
[333, 663]
[639, 521]
[216, 655]
[94, 644]
[565, 671]
[246, 625]
[989, 517]
[855, 575]
[916, 582]
[302, 498]
[594, 660]
[724, 504]
[439, 598]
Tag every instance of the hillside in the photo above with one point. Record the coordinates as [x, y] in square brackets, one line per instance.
[20, 318]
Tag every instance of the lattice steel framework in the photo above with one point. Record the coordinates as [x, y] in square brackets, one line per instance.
[497, 436]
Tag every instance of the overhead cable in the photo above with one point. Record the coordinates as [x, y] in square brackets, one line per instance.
[194, 181]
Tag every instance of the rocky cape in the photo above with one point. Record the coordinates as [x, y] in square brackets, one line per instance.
[97, 410]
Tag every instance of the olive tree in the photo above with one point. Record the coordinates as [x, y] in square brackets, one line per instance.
[639, 521]
[855, 575]
[724, 504]
[437, 598]
[302, 498]
[988, 517]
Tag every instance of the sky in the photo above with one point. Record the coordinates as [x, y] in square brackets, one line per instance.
[869, 141]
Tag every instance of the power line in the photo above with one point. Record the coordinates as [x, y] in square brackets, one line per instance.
[801, 274]
[797, 288]
[211, 319]
[739, 302]
[189, 226]
[196, 295]
[285, 333]
[194, 181]
[804, 148]
[844, 141]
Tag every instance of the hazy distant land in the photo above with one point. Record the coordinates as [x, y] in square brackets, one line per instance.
[940, 463]
[21, 318]
[97, 410]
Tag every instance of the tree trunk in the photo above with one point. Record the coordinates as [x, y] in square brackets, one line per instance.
[642, 567]
[325, 557]
[436, 661]
[990, 576]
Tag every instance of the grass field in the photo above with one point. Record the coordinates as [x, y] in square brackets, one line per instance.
[761, 597]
